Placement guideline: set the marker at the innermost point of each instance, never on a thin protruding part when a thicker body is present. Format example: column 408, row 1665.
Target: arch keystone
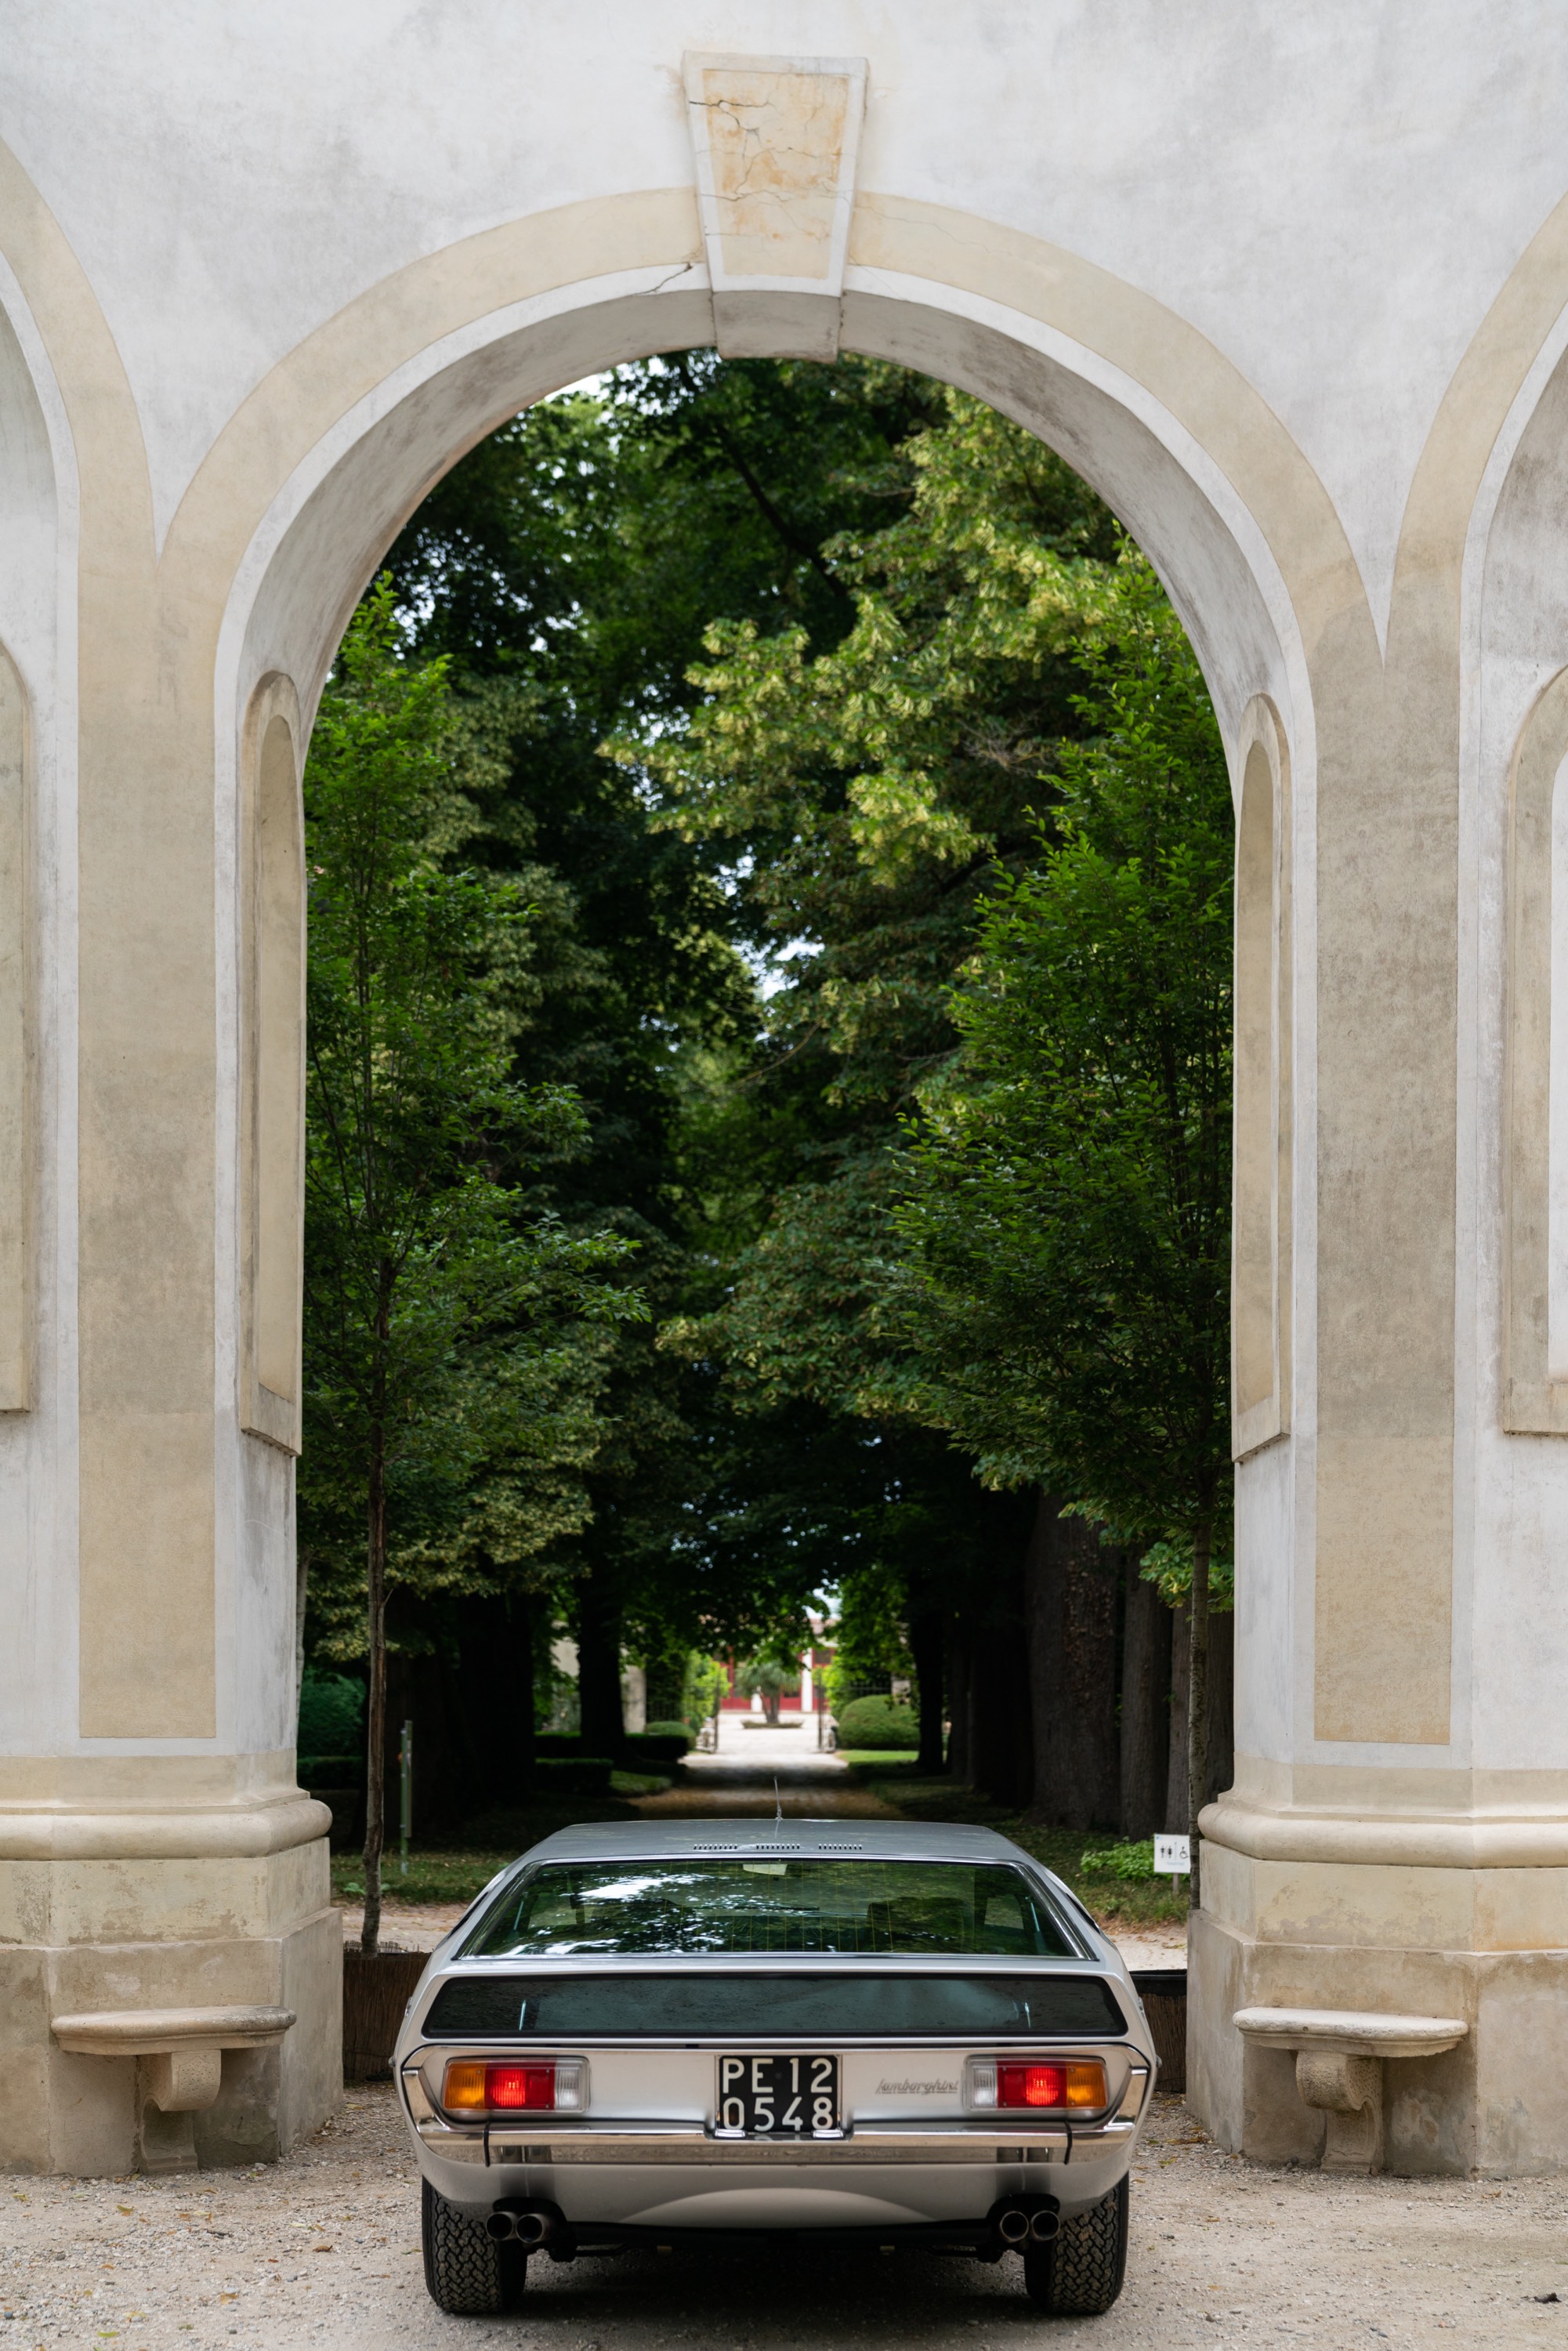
column 776, row 141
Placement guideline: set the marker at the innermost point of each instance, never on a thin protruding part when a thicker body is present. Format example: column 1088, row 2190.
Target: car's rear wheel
column 1079, row 2274
column 468, row 2274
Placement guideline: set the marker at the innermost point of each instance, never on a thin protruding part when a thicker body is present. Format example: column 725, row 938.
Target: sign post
column 405, row 1791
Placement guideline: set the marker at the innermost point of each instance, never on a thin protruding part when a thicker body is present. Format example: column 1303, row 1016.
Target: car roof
column 674, row 1840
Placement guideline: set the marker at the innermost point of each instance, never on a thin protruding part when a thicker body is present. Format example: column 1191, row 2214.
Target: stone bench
column 1339, row 2055
column 179, row 2055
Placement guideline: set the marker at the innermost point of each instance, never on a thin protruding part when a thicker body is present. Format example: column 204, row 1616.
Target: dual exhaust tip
column 531, row 2229
column 1019, row 2225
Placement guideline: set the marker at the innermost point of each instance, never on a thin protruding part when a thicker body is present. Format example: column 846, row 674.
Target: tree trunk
column 1072, row 1647
column 959, row 1761
column 1175, row 1784
column 926, row 1641
column 376, row 1706
column 604, row 1726
column 488, row 1704
column 1145, row 1703
column 1001, row 1736
column 1197, row 1705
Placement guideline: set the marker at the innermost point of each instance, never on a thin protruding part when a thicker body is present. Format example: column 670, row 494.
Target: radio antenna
column 778, row 1807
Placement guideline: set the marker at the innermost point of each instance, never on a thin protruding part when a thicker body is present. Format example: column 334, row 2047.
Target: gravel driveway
column 323, row 2250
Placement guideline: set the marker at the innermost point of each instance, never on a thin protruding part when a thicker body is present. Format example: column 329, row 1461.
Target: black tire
column 1079, row 2274
column 467, row 2273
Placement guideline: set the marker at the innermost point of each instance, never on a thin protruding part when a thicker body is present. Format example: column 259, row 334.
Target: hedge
column 878, row 1722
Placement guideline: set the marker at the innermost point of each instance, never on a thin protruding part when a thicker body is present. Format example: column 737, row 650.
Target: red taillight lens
column 519, row 2085
column 1031, row 2086
column 1079, row 2083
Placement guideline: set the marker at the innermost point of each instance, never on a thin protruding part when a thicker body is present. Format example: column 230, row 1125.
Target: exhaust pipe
column 529, row 2228
column 1012, row 2224
column 1043, row 2226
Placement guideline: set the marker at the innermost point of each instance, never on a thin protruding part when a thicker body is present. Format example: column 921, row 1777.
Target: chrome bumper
column 495, row 2144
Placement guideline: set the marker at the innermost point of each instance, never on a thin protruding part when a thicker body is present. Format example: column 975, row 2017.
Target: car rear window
column 763, row 2007
column 932, row 1910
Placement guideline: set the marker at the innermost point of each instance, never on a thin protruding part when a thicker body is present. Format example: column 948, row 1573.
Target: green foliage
column 1133, row 1861
column 706, row 1684
column 1168, row 1566
column 879, row 1725
column 331, row 1712
column 682, row 1731
column 1066, row 1220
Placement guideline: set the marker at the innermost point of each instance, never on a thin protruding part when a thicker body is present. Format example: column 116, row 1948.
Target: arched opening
column 1126, row 451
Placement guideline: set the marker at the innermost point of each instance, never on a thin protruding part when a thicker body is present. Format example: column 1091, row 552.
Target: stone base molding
column 1339, row 2058
column 1453, row 1821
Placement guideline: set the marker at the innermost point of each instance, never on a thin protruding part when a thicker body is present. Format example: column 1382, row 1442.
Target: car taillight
column 1061, row 2086
column 472, row 2087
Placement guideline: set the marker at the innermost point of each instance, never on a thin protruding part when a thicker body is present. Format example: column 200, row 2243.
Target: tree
column 1066, row 1220
column 442, row 1322
column 769, row 1675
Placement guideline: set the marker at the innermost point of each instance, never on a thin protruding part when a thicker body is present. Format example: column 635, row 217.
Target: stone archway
column 172, row 621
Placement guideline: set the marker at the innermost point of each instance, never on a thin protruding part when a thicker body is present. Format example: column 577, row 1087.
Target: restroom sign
column 1173, row 1857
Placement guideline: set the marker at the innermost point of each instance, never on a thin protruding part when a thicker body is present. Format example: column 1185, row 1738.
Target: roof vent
column 772, row 1845
column 776, row 1845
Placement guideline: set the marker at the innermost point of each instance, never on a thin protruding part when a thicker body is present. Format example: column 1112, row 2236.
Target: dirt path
column 322, row 2249
column 739, row 1781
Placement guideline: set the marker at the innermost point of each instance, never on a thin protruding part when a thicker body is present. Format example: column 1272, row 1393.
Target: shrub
column 1134, row 1861
column 649, row 1750
column 331, row 1712
column 879, row 1723
column 669, row 1730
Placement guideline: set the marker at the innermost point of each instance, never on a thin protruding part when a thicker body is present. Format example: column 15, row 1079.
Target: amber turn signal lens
column 464, row 2088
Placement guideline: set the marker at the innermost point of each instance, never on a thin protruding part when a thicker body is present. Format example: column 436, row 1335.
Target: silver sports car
column 873, row 2032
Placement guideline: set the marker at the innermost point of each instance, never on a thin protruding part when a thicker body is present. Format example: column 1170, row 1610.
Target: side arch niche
column 271, row 1063
column 1260, row 1215
column 15, row 1057
column 1535, row 1384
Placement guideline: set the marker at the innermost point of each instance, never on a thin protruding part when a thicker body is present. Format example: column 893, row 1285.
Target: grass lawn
column 1118, row 1903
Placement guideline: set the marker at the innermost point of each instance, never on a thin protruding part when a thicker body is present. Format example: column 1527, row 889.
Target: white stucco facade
column 1290, row 287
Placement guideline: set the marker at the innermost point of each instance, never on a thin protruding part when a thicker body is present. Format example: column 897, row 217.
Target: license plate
column 779, row 2098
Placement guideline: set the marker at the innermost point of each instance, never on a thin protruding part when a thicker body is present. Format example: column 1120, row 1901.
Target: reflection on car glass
column 913, row 1909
